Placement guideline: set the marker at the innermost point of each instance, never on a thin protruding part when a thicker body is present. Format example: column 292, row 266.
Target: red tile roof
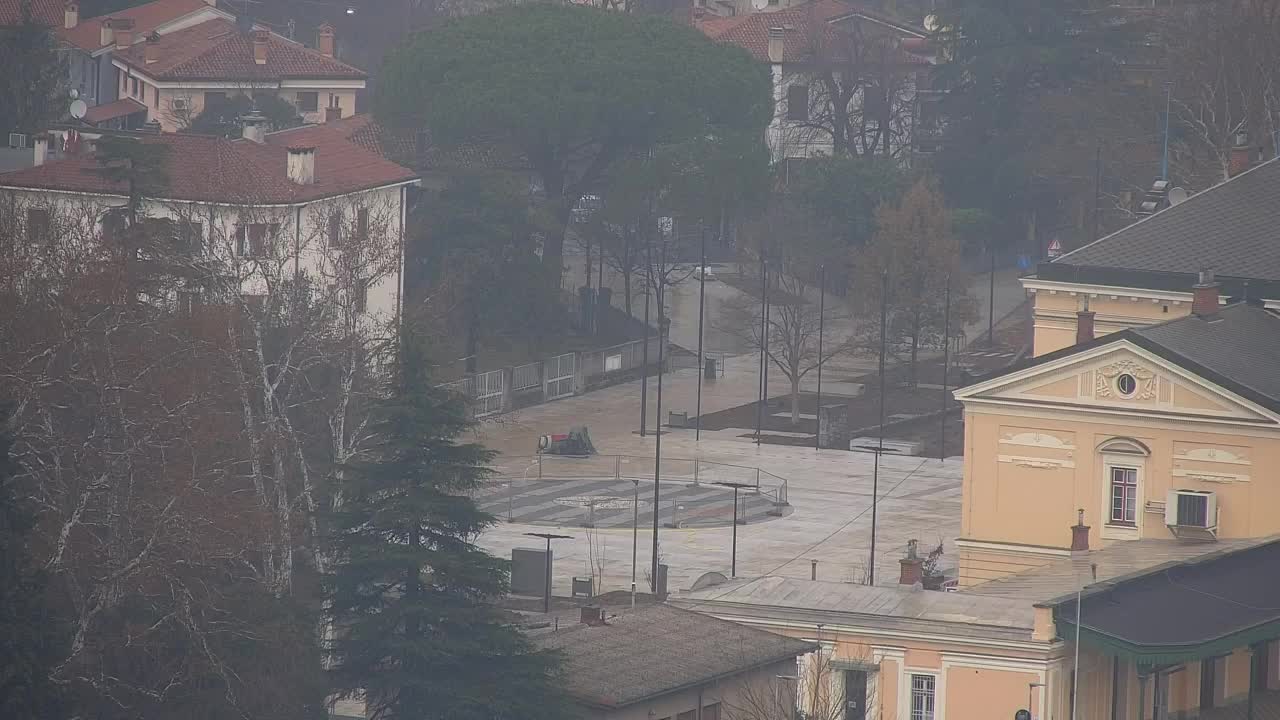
column 752, row 31
column 146, row 17
column 218, row 50
column 112, row 110
column 212, row 169
column 46, row 12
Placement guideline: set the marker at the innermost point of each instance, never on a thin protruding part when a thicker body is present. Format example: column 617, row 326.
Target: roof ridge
column 1156, row 214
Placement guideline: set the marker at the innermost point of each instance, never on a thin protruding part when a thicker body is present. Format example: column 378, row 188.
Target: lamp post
column 946, row 362
column 546, row 595
column 733, row 561
column 875, row 475
column 702, row 360
column 822, row 313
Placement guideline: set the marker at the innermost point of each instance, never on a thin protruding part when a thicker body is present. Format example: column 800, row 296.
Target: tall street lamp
column 546, row 595
column 733, row 562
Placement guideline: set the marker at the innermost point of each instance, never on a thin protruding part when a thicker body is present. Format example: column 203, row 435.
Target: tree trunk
column 795, row 399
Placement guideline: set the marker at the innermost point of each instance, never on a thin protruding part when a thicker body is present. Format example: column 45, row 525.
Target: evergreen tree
column 409, row 598
column 27, row 632
column 33, row 77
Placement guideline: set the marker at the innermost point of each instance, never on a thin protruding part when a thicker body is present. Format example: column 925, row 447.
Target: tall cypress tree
column 410, row 597
column 28, row 633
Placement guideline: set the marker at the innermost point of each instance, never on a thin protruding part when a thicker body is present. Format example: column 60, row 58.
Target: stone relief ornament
column 1145, row 388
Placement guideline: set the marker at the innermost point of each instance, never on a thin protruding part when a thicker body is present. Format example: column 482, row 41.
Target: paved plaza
column 829, row 491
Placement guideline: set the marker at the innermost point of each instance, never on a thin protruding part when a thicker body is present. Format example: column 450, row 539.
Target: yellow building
column 1143, row 274
column 1132, row 471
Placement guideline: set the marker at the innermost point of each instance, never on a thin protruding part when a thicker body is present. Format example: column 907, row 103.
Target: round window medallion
column 1126, row 384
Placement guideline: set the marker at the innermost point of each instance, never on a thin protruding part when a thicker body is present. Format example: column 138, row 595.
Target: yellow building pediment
column 1117, row 378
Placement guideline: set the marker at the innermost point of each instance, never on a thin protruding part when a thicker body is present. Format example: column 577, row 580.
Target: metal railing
column 634, row 468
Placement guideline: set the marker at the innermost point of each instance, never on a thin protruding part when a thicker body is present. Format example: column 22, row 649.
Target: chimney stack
column 1084, row 323
column 1204, row 295
column 124, row 33
column 911, row 570
column 151, row 49
column 1241, row 155
column 593, row 615
column 70, row 14
column 252, row 126
column 260, row 39
column 107, row 33
column 302, row 165
column 1079, row 533
column 40, row 149
column 324, row 40
column 777, row 43
column 332, row 112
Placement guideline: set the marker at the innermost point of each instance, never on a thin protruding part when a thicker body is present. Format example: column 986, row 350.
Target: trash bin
column 709, row 369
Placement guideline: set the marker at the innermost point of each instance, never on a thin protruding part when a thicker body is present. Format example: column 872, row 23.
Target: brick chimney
column 260, row 39
column 124, row 33
column 911, row 567
column 151, row 49
column 333, row 112
column 1204, row 295
column 106, row 33
column 1079, row 533
column 302, row 165
column 325, row 40
column 593, row 615
column 1084, row 323
column 1241, row 155
column 70, row 14
column 777, row 43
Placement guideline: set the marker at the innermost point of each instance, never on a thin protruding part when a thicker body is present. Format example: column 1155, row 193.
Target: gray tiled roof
column 1241, row 343
column 659, row 649
column 881, row 606
column 1063, row 577
column 1232, row 229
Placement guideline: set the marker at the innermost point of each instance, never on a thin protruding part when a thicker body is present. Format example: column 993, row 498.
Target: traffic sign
column 1055, row 249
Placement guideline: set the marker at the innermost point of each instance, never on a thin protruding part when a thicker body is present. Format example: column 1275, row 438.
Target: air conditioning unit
column 1191, row 509
column 179, row 104
column 17, row 140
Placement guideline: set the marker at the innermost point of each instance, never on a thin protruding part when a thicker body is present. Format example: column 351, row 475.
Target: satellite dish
column 759, row 4
column 1177, row 195
column 931, row 23
column 79, row 108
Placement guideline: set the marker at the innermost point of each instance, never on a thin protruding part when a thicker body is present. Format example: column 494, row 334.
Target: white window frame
column 1128, row 454
column 935, row 692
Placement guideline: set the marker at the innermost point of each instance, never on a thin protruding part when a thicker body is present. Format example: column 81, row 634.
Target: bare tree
column 817, row 691
column 858, row 86
column 1225, row 81
column 796, row 247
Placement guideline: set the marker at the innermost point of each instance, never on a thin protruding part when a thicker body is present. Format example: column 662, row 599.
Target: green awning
column 1169, row 654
